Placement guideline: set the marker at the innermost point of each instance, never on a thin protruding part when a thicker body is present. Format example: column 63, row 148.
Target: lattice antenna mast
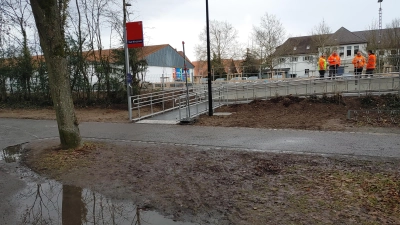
column 380, row 33
column 380, row 19
column 1, row 29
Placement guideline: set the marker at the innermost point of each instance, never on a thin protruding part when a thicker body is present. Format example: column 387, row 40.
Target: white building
column 298, row 56
column 166, row 64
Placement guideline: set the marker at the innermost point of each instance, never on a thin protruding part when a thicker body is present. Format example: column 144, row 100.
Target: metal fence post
column 247, row 92
column 151, row 103
column 163, row 107
column 138, row 100
column 348, row 114
column 180, row 115
column 266, row 91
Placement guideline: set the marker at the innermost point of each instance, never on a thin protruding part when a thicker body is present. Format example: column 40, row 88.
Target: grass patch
column 57, row 160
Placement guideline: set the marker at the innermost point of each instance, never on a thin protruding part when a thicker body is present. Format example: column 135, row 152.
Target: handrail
column 151, row 104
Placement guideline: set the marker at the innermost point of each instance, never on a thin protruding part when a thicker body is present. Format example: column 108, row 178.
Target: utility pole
column 128, row 75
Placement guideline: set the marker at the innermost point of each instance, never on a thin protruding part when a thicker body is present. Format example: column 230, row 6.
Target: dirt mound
column 313, row 113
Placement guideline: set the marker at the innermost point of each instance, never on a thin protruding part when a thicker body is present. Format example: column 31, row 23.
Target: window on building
column 293, row 59
column 356, row 48
column 381, row 52
column 393, row 52
column 341, row 51
column 281, row 60
column 308, row 58
column 348, row 53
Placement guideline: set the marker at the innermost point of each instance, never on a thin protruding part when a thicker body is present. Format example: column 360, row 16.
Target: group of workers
column 359, row 62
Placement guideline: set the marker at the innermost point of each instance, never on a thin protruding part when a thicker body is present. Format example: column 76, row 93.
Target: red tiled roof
column 105, row 53
column 200, row 67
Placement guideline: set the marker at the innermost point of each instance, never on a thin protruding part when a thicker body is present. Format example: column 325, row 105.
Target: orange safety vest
column 334, row 60
column 371, row 62
column 321, row 64
column 359, row 61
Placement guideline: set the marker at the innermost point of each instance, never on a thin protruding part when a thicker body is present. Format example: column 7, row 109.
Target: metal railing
column 196, row 103
column 151, row 104
column 349, row 85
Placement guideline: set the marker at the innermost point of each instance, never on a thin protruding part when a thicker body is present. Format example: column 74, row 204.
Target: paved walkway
column 16, row 131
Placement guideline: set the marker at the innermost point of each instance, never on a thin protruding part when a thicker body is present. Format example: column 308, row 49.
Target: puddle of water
column 51, row 202
column 11, row 154
column 54, row 203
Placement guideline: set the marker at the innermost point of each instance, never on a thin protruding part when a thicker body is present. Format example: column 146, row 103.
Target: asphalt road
column 18, row 131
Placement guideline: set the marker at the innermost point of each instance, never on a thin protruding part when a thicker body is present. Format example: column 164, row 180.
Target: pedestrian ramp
column 175, row 106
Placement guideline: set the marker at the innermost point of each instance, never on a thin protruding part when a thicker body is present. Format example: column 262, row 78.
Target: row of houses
column 296, row 57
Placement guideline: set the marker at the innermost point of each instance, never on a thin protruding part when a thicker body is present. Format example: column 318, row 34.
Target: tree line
column 24, row 71
column 96, row 75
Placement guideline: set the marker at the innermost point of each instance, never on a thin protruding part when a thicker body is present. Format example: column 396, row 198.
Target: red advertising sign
column 134, row 34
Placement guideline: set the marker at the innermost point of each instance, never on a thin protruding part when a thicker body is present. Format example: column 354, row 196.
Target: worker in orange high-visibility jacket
column 371, row 63
column 322, row 66
column 358, row 62
column 334, row 63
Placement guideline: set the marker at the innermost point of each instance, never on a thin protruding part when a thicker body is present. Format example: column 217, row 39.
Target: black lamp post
column 210, row 99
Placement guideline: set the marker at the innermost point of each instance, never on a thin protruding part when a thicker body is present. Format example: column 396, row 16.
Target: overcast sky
column 174, row 21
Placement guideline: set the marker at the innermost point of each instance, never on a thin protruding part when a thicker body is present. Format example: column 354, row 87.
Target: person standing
column 322, row 66
column 371, row 64
column 334, row 63
column 358, row 62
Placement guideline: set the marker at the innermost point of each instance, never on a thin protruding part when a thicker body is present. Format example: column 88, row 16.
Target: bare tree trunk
column 81, row 56
column 73, row 207
column 3, row 91
column 50, row 20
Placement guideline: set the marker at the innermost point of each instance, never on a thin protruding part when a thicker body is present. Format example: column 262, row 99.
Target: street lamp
column 127, row 75
column 210, row 101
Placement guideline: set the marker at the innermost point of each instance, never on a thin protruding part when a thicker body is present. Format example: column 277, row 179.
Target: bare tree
column 372, row 36
column 223, row 41
column 320, row 37
column 392, row 35
column 269, row 35
column 391, row 41
column 50, row 17
column 17, row 14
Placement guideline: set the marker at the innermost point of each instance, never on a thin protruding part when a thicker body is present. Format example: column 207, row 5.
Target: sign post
column 133, row 36
column 188, row 118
